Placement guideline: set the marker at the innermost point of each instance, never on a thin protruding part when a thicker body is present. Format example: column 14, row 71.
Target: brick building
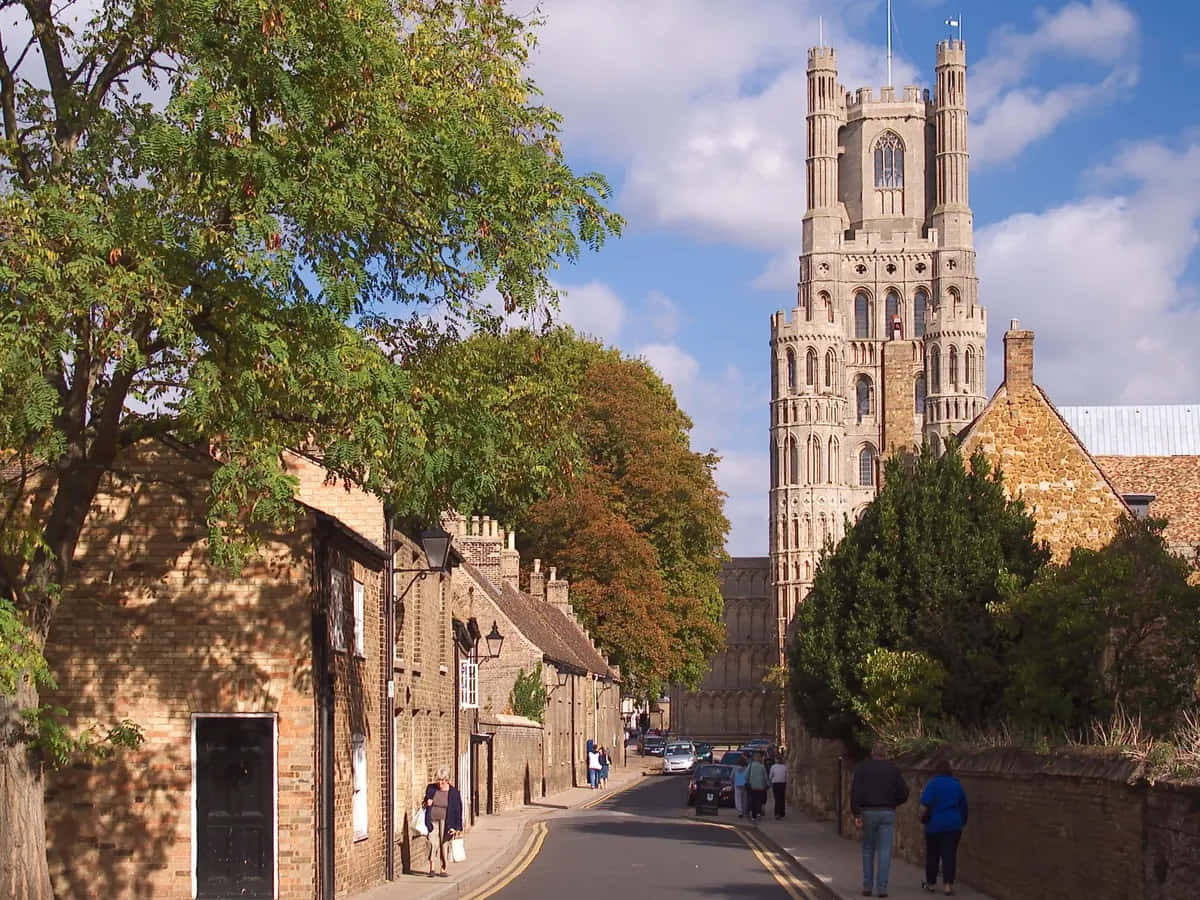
column 275, row 762
column 513, row 759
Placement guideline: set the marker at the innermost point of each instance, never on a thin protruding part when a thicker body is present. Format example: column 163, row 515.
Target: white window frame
column 360, row 618
column 358, row 772
column 468, row 684
column 337, row 610
column 274, row 717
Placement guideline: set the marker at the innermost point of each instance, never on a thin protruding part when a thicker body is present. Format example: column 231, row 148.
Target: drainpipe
column 324, row 715
column 574, row 739
column 388, row 706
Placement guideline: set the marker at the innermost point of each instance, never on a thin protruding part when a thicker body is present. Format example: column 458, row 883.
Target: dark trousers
column 758, row 799
column 941, row 847
column 780, row 790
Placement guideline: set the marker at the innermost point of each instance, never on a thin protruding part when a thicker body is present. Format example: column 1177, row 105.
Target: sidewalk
column 837, row 861
column 493, row 842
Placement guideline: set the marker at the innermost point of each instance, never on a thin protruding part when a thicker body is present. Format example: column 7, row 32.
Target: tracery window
column 810, row 367
column 791, row 371
column 889, row 161
column 935, row 369
column 866, row 466
column 919, row 303
column 862, row 392
column 862, row 315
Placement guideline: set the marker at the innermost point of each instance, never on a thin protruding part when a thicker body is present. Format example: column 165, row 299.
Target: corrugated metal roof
column 1136, row 430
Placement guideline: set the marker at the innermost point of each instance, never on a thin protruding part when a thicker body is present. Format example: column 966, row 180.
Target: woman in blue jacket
column 944, row 812
column 443, row 816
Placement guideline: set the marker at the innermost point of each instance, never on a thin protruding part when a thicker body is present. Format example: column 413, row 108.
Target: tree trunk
column 24, row 874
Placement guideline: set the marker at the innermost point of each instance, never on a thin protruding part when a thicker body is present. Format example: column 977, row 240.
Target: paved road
column 644, row 842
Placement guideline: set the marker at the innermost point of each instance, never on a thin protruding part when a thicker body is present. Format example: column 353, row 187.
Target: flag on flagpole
column 953, row 23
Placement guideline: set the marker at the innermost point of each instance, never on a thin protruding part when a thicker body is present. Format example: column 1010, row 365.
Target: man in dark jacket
column 877, row 789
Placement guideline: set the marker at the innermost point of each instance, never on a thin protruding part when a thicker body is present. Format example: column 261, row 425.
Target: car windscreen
column 714, row 772
column 679, row 749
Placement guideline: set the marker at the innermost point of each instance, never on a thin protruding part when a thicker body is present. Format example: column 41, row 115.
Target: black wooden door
column 235, row 827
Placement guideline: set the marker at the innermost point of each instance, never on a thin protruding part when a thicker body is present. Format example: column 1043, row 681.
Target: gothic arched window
column 892, row 308
column 810, row 367
column 833, row 464
column 830, row 363
column 969, row 367
column 793, row 461
column 919, row 395
column 774, row 463
column 866, row 466
column 828, row 307
column 953, row 367
column 862, row 395
column 889, row 161
column 862, row 315
column 814, row 460
column 791, row 371
column 920, row 302
column 935, row 369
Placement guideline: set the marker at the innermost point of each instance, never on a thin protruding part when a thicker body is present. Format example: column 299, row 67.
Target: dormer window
column 889, row 161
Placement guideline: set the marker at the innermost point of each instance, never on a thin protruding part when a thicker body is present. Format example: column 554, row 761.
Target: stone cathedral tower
column 885, row 347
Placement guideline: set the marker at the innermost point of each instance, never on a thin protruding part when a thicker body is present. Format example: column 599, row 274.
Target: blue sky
column 1085, row 182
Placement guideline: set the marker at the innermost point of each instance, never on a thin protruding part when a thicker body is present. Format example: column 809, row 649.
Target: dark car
column 723, row 773
column 704, row 751
column 654, row 745
column 735, row 758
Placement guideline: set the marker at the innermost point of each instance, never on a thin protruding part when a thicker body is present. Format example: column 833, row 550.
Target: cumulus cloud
column 593, row 308
column 662, row 314
column 1103, row 283
column 745, row 479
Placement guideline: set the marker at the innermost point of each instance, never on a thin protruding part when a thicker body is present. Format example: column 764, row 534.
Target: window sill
column 359, row 838
column 442, row 670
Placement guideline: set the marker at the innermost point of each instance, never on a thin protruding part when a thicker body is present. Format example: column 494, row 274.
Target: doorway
column 234, row 795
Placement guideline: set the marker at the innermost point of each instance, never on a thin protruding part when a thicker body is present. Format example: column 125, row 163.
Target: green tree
column 926, row 571
column 638, row 528
column 528, row 696
column 1116, row 627
column 217, row 221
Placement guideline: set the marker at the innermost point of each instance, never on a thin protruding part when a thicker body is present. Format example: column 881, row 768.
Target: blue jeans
column 879, row 828
column 593, row 777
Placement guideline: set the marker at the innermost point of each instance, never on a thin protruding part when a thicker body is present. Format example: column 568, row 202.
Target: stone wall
column 1041, row 825
column 517, row 749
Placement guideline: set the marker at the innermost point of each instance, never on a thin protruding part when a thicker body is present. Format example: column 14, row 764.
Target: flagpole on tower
column 820, row 31
column 889, row 30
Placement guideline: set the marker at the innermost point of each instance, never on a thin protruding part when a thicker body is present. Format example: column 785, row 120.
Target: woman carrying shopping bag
column 443, row 817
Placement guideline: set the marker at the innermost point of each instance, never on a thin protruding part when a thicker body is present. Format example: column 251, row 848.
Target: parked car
column 650, row 733
column 724, row 773
column 653, row 745
column 680, row 756
column 734, row 758
column 704, row 751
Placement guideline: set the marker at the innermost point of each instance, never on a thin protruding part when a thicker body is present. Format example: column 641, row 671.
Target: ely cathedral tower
column 885, row 346
column 884, row 349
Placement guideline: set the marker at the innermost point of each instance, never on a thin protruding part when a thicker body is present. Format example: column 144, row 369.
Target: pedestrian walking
column 443, row 816
column 875, row 792
column 778, row 776
column 593, row 762
column 756, row 782
column 605, row 760
column 741, row 799
column 944, row 812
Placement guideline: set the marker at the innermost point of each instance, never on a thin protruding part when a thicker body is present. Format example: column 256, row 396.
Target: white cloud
column 593, row 308
column 745, row 479
column 677, row 367
column 1102, row 283
column 662, row 314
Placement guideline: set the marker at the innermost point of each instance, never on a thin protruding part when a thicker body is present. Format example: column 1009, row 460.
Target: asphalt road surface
column 646, row 842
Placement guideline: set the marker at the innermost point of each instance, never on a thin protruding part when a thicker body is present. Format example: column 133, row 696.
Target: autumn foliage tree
column 639, row 528
column 217, row 218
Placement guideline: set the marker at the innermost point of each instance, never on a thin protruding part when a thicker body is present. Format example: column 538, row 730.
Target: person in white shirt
column 778, row 776
column 593, row 768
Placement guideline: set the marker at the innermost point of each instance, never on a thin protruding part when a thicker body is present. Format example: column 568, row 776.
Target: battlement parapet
column 952, row 52
column 899, row 242
column 822, row 58
column 863, row 97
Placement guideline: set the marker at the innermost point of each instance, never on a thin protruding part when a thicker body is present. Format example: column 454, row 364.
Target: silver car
column 680, row 756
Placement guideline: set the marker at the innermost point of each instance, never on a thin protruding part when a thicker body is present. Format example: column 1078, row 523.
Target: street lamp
column 494, row 640
column 435, row 542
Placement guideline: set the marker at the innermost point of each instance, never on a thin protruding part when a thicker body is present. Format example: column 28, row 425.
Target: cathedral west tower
column 884, row 348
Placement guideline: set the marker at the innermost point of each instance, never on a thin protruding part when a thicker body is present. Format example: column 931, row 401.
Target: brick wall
column 359, row 510
column 150, row 632
column 1041, row 826
column 1043, row 463
column 517, row 749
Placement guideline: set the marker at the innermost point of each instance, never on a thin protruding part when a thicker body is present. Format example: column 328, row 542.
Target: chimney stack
column 510, row 561
column 558, row 592
column 537, row 581
column 1018, row 358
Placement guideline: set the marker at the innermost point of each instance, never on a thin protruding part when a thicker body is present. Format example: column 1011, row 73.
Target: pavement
column 494, row 842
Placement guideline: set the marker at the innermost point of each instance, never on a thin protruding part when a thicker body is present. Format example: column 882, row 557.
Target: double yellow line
column 527, row 855
column 778, row 864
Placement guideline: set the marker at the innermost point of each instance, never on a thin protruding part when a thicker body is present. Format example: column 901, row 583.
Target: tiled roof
column 1175, row 483
column 561, row 639
column 1136, row 430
